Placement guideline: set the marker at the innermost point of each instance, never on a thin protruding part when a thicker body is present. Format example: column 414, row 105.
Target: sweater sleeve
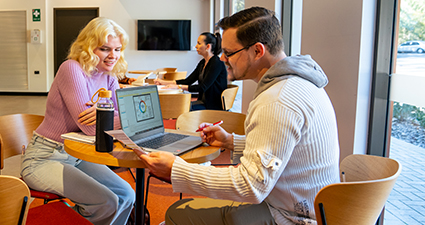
column 239, row 146
column 193, row 77
column 74, row 92
column 264, row 158
column 211, row 72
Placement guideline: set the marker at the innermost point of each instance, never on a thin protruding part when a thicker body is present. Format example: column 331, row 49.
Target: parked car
column 412, row 46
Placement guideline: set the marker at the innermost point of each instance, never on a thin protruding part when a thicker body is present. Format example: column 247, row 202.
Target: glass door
column 406, row 204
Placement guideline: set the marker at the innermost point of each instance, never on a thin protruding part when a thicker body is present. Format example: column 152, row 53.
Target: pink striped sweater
column 70, row 91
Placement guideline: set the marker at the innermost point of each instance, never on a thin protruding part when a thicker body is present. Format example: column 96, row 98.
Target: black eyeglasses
column 228, row 55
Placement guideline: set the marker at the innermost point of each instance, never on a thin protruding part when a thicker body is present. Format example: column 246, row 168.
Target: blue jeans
column 99, row 194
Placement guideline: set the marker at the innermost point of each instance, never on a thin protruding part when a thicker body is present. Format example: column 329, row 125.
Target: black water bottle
column 104, row 121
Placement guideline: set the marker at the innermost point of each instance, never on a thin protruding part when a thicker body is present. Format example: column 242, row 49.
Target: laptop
column 141, row 120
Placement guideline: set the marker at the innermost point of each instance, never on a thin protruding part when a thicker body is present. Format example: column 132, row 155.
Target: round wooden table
column 124, row 157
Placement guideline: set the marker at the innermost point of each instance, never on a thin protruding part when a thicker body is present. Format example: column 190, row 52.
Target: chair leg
column 131, row 172
column 147, row 190
column 23, row 208
column 322, row 213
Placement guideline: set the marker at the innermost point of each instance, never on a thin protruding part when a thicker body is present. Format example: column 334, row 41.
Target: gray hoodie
column 301, row 65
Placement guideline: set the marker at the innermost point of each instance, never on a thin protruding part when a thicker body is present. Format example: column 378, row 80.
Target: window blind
column 13, row 45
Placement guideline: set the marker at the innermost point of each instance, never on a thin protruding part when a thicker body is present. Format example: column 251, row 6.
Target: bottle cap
column 102, row 93
column 105, row 94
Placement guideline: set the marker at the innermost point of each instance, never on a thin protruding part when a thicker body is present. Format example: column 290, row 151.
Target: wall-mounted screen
column 171, row 35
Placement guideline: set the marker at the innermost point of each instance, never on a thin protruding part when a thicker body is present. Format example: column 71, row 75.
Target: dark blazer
column 211, row 85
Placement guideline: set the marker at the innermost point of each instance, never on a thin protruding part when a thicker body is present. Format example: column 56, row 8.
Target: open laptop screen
column 140, row 111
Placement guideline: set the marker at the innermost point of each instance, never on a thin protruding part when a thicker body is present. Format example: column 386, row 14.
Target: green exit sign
column 36, row 15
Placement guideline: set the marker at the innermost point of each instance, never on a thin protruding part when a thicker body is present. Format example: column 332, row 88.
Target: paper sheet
column 125, row 140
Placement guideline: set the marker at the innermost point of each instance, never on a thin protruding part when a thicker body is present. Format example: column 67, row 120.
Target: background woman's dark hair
column 214, row 40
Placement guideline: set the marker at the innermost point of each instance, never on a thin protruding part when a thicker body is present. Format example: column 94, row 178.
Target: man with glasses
column 290, row 150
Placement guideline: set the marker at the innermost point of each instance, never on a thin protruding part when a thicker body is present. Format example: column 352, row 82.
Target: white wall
column 36, row 52
column 124, row 12
column 365, row 77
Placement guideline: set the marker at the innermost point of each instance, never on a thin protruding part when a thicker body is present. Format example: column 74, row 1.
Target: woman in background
column 210, row 73
column 96, row 58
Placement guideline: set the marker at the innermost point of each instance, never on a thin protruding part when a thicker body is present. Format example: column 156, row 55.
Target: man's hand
column 159, row 163
column 88, row 116
column 216, row 136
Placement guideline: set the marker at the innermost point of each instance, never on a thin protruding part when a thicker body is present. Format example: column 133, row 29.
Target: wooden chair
column 172, row 105
column 174, row 75
column 361, row 198
column 228, row 96
column 16, row 131
column 232, row 122
column 14, row 204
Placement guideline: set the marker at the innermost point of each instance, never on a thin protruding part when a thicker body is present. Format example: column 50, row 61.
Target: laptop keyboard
column 163, row 140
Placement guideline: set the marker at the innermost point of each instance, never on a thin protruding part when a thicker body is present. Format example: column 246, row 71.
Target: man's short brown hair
column 254, row 25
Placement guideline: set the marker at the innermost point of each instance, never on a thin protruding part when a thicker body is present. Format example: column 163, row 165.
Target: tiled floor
column 406, row 204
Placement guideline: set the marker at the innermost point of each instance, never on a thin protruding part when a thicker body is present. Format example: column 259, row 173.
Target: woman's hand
column 171, row 86
column 88, row 116
column 216, row 136
column 158, row 81
column 131, row 80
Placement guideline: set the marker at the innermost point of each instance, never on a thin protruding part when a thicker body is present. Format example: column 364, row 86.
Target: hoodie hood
column 301, row 66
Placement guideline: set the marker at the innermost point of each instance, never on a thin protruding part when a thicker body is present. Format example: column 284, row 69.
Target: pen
column 216, row 123
column 343, row 176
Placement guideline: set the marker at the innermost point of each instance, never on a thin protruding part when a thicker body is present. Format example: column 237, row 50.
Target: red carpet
column 48, row 214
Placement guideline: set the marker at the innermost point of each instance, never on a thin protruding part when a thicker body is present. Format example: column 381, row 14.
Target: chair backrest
column 361, row 198
column 12, row 193
column 174, row 75
column 228, row 96
column 16, row 130
column 232, row 122
column 167, row 69
column 172, row 105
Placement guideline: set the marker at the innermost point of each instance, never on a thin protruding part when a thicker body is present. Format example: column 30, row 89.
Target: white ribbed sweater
column 289, row 153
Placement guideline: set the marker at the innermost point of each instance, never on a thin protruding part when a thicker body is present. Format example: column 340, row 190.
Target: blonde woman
column 95, row 60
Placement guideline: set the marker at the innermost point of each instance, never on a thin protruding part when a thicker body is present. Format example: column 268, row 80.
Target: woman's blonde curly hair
column 95, row 34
